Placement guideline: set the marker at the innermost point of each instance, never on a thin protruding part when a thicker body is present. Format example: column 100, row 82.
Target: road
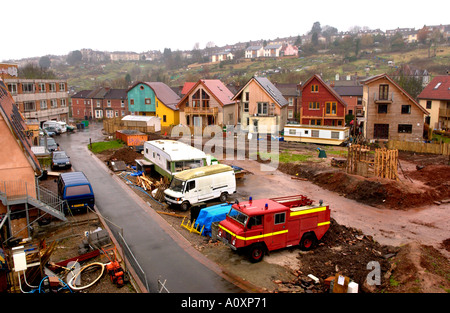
column 161, row 252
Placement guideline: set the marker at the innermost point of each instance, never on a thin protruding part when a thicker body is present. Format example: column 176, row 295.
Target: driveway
column 161, row 252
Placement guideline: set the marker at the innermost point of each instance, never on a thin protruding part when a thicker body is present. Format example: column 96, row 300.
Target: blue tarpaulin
column 207, row 216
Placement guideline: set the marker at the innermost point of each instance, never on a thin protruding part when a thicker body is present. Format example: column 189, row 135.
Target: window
column 255, row 221
column 262, row 108
column 291, row 102
column 108, row 103
column 63, row 103
column 314, row 106
column 314, row 88
column 52, row 87
column 280, row 218
column 12, row 88
column 190, row 185
column 405, row 128
column 131, row 101
column 334, row 135
column 98, row 103
column 330, row 108
column 28, row 87
column 247, row 96
column 62, row 87
column 41, row 87
column 384, row 92
column 122, row 104
column 54, row 103
column 43, row 104
column 406, row 109
column 245, row 106
column 164, row 118
column 148, row 101
column 292, row 131
column 290, row 113
column 315, row 122
column 429, row 104
column 29, row 106
column 315, row 133
column 382, row 108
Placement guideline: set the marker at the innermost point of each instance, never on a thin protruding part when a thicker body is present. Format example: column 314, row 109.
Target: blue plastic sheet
column 207, row 216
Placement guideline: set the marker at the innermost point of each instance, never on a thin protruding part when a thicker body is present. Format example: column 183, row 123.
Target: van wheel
column 256, row 253
column 308, row 241
column 184, row 206
column 223, row 197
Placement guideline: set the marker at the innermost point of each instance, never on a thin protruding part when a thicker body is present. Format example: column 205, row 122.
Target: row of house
column 273, row 50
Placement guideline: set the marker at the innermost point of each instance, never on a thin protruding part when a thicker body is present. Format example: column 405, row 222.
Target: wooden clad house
column 321, row 104
column 390, row 112
column 262, row 107
column 208, row 102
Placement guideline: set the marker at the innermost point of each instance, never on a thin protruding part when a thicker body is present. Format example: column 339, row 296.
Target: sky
column 33, row 28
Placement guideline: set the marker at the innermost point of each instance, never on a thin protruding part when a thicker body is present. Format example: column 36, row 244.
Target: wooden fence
column 420, row 147
column 380, row 163
column 111, row 125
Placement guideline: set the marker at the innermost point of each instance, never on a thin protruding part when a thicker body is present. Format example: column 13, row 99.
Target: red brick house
column 321, row 104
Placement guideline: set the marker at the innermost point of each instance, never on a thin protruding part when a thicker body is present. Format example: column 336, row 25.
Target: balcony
column 383, row 98
column 444, row 112
column 201, row 110
column 45, row 113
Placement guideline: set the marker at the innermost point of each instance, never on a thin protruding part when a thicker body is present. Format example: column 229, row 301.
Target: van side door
column 191, row 192
column 279, row 230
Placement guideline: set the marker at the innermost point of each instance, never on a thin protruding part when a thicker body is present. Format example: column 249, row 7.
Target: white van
column 54, row 124
column 63, row 126
column 200, row 184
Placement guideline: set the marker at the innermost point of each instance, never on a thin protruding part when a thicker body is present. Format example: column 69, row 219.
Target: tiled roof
column 165, row 94
column 82, row 94
column 187, row 86
column 437, row 89
column 116, row 94
column 272, row 90
column 220, row 91
column 349, row 90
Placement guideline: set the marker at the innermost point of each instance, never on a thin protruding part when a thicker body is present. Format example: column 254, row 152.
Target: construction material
column 207, row 216
column 102, row 267
column 191, row 226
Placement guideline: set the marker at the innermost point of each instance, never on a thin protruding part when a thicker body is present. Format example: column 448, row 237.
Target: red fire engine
column 264, row 225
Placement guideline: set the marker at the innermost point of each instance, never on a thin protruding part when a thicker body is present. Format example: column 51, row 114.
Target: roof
column 215, row 88
column 349, row 90
column 331, row 90
column 254, row 48
column 273, row 46
column 288, row 90
column 187, row 86
column 82, row 94
column 437, row 89
column 203, row 171
column 16, row 123
column 178, row 150
column 380, row 76
column 138, row 118
column 270, row 89
column 116, row 94
column 74, row 178
column 165, row 94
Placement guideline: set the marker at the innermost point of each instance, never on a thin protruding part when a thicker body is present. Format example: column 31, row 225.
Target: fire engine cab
column 264, row 225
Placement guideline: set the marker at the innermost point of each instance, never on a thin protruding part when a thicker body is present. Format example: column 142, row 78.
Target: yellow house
column 154, row 98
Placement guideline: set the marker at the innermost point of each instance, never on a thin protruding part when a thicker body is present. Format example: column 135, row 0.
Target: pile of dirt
column 346, row 251
column 375, row 191
column 128, row 155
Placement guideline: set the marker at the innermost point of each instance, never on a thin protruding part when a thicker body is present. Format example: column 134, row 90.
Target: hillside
column 237, row 72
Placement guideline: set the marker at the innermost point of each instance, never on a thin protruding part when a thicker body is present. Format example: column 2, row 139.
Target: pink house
column 289, row 50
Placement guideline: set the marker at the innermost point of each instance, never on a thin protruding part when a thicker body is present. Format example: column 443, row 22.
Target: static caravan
column 170, row 157
column 329, row 135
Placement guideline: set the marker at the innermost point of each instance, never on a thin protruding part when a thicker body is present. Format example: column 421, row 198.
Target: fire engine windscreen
column 238, row 216
column 177, row 185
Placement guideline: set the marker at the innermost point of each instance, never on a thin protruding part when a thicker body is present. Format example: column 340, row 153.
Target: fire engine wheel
column 256, row 253
column 184, row 206
column 223, row 197
column 308, row 241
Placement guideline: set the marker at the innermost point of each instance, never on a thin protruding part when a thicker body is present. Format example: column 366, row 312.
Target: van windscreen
column 78, row 190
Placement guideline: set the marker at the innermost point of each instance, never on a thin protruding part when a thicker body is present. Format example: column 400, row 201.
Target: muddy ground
column 414, row 266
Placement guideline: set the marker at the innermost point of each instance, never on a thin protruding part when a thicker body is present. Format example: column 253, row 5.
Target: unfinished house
column 22, row 202
column 390, row 112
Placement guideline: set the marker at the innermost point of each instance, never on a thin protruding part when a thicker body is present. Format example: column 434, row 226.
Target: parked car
column 60, row 160
column 51, row 144
column 43, row 132
column 54, row 129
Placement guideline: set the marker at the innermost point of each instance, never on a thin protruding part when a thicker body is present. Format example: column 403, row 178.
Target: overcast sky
column 33, row 28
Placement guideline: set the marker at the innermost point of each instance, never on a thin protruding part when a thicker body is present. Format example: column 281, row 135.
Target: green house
column 141, row 99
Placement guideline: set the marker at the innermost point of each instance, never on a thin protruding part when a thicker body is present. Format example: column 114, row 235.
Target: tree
column 422, row 34
column 315, row 39
column 74, row 57
column 32, row 71
column 316, row 28
column 44, row 62
column 298, row 41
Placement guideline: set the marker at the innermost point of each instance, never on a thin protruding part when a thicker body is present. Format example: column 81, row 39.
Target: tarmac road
column 161, row 252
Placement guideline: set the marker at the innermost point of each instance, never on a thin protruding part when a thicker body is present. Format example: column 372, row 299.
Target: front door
column 381, row 131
